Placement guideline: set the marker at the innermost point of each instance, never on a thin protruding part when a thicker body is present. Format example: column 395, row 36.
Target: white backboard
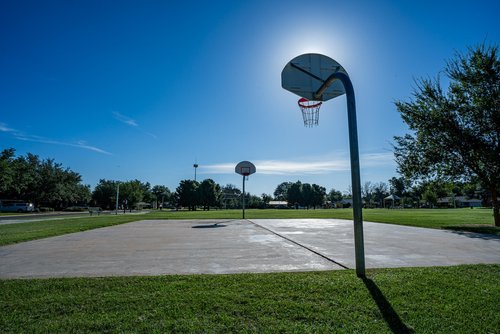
column 245, row 168
column 305, row 74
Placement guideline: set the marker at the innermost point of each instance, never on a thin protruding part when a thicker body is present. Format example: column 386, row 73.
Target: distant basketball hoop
column 244, row 168
column 310, row 111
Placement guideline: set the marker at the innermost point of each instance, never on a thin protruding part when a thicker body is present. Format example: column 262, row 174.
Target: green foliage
column 161, row 193
column 335, row 196
column 43, row 182
column 230, row 197
column 455, row 132
column 130, row 194
column 461, row 299
column 294, row 194
column 266, row 199
column 133, row 192
column 399, row 186
column 209, row 193
column 187, row 194
column 301, row 194
column 281, row 192
column 318, row 195
column 254, row 202
column 104, row 194
column 6, row 170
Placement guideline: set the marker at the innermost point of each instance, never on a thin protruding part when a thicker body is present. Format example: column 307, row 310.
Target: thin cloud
column 19, row 135
column 377, row 159
column 4, row 128
column 277, row 167
column 125, row 119
column 131, row 122
column 319, row 166
column 149, row 134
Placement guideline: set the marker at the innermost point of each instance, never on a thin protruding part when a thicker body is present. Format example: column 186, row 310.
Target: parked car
column 17, row 207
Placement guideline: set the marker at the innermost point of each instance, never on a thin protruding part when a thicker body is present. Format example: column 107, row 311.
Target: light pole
column 117, row 194
column 195, row 166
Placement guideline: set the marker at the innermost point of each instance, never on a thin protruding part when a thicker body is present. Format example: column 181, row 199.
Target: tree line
column 40, row 181
column 47, row 184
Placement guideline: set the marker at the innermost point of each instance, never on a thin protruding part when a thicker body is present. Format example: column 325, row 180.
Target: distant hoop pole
column 355, row 174
column 244, row 168
column 244, row 196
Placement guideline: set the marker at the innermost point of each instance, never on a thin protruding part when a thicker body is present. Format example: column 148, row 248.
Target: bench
column 94, row 210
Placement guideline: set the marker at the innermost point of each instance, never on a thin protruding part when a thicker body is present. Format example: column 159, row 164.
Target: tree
column 6, row 169
column 209, row 193
column 147, row 195
column 266, row 199
column 456, row 132
column 187, row 194
column 430, row 197
column 253, row 202
column 161, row 193
column 306, row 195
column 104, row 194
column 281, row 192
column 334, row 196
column 133, row 192
column 379, row 193
column 367, row 193
column 294, row 194
column 399, row 185
column 43, row 182
column 230, row 196
column 318, row 196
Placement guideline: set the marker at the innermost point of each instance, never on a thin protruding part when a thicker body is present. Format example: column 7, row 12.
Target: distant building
column 459, row 202
column 278, row 204
column 345, row 203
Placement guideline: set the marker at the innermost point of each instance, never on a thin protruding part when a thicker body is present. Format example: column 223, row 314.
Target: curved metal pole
column 355, row 173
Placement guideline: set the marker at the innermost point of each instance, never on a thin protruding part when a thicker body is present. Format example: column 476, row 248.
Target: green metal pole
column 355, row 173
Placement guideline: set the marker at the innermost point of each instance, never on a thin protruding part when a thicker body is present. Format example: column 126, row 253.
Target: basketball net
column 310, row 111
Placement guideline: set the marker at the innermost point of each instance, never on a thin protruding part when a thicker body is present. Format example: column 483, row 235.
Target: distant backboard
column 305, row 74
column 245, row 168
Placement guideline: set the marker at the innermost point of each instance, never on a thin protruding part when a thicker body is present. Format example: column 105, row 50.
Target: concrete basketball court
column 159, row 247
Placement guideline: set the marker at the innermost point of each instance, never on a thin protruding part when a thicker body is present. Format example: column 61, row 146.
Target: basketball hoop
column 310, row 111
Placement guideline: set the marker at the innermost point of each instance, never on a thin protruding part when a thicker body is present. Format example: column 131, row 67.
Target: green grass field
column 477, row 220
column 462, row 299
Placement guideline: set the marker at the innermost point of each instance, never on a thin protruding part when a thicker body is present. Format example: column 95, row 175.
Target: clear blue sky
column 128, row 90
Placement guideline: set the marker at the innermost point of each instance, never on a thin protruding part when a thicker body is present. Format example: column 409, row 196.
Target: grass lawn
column 477, row 220
column 19, row 232
column 462, row 299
